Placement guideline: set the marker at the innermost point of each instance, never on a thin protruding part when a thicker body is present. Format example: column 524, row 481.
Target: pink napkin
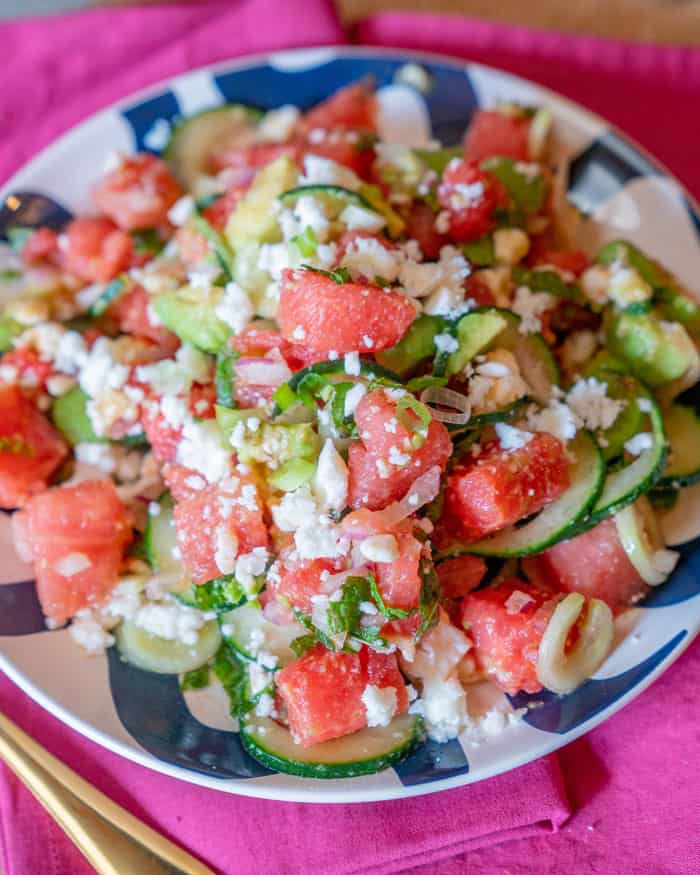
column 57, row 71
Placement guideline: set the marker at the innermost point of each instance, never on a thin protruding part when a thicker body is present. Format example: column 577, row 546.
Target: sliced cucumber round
column 625, row 485
column 160, row 538
column 163, row 655
column 477, row 331
column 538, row 366
column 362, row 753
column 640, row 535
column 683, row 432
column 552, row 524
column 240, row 629
column 194, row 139
column 493, row 416
column 70, row 417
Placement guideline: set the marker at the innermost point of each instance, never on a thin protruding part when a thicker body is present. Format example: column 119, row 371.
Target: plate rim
column 341, row 791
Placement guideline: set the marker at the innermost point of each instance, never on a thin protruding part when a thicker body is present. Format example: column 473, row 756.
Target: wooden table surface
column 663, row 21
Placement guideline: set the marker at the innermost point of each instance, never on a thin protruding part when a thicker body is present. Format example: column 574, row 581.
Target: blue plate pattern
column 151, row 707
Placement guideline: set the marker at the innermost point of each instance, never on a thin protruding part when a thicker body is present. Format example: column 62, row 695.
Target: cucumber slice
column 640, row 536
column 162, row 655
column 362, row 753
column 438, row 159
column 494, row 416
column 194, row 139
column 240, row 627
column 415, row 346
column 480, row 252
column 538, row 366
column 683, row 431
column 160, row 539
column 9, row 329
column 554, row 523
column 625, row 485
column 191, row 314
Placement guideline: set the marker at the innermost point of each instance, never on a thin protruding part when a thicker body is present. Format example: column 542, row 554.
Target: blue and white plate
column 145, row 717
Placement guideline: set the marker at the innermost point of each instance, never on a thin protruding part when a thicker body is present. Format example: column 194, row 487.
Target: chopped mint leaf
column 147, row 242
column 306, row 242
column 340, row 276
column 303, row 643
column 233, row 676
column 388, row 612
column 10, row 274
column 197, row 679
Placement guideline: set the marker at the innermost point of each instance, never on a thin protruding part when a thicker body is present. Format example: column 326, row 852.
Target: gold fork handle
column 114, row 841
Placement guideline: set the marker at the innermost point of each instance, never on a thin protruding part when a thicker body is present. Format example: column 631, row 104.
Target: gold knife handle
column 114, row 841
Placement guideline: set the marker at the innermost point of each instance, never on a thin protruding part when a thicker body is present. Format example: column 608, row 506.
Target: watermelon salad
column 348, row 427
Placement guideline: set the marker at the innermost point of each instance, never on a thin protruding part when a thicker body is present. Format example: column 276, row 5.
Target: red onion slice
column 263, row 371
column 460, row 405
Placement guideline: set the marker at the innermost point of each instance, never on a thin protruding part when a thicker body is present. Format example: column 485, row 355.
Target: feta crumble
column 331, row 478
column 530, row 306
column 380, row 548
column 636, row 445
column 512, row 438
column 380, row 704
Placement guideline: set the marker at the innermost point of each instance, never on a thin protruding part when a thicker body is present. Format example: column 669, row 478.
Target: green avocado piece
column 655, row 351
column 9, row 329
column 269, row 442
column 70, row 417
column 190, row 313
column 416, row 345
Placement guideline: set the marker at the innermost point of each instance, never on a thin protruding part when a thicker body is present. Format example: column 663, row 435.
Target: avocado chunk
column 621, row 387
column 273, row 444
column 255, row 217
column 475, row 331
column 70, row 417
column 655, row 351
column 9, row 329
column 415, row 346
column 191, row 314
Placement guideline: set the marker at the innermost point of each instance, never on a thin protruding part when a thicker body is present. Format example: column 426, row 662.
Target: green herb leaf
column 197, row 679
column 306, row 242
column 388, row 612
column 10, row 274
column 417, row 384
column 340, row 276
column 415, row 417
column 547, row 281
column 528, row 193
column 18, row 237
column 480, row 252
column 233, row 676
column 285, row 397
column 224, row 377
column 111, row 292
column 147, row 242
column 438, row 159
column 303, row 643
column 429, row 598
column 221, row 594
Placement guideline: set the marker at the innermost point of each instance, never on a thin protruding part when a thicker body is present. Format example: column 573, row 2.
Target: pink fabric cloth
column 634, row 810
column 632, row 781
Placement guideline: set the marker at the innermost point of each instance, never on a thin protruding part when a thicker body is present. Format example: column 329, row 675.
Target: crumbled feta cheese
column 201, row 449
column 226, row 548
column 355, row 217
column 181, row 210
column 530, row 306
column 87, row 632
column 380, row 704
column 172, row 621
column 296, row 509
column 442, row 222
column 319, row 541
column 323, row 171
column 331, row 479
column 557, row 419
column 235, row 308
column 352, row 364
column 299, row 333
column 175, row 411
column 441, row 282
column 380, row 548
column 175, row 377
column 397, row 458
column 265, row 706
column 626, row 286
column 278, row 124
column 466, row 195
column 512, row 438
column 100, row 371
column 309, row 213
column 443, row 705
column 645, row 405
column 446, row 343
column 589, row 401
column 636, row 445
column 367, row 257
column 97, row 455
column 249, row 566
column 496, row 382
column 72, row 564
column 353, row 398
column 71, row 353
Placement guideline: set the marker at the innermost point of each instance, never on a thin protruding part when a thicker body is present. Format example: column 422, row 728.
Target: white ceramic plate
column 144, row 717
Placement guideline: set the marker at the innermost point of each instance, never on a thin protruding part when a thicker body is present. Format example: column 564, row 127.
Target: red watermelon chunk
column 322, row 691
column 459, row 576
column 493, row 133
column 470, row 197
column 500, row 487
column 399, row 582
column 351, row 108
column 594, row 564
column 506, row 624
column 296, row 582
column 30, row 448
column 345, row 317
column 76, row 536
column 375, row 477
column 227, row 517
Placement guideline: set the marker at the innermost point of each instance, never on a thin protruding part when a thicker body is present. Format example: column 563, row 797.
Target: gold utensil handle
column 114, row 841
